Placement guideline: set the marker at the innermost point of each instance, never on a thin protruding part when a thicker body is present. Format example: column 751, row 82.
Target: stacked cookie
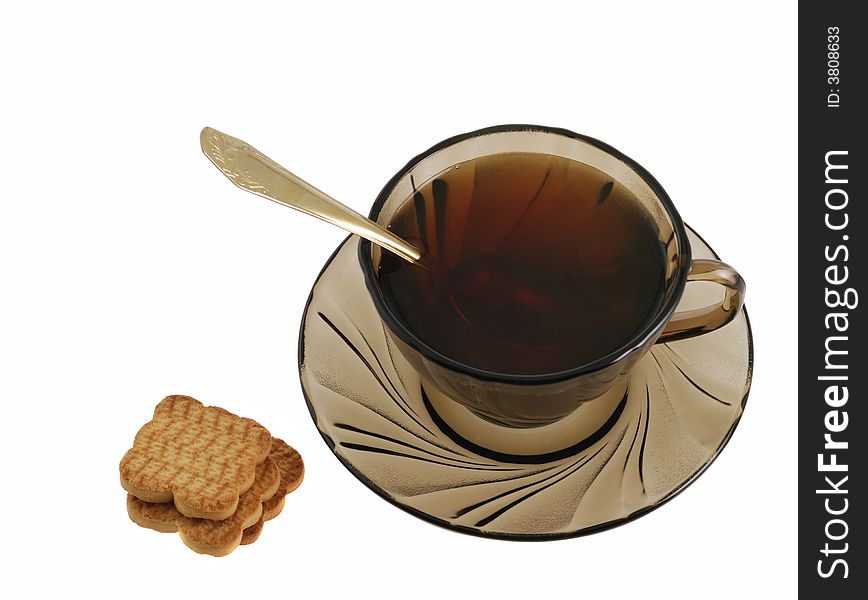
column 212, row 476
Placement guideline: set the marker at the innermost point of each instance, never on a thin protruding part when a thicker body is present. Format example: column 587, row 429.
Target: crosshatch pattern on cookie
column 202, row 457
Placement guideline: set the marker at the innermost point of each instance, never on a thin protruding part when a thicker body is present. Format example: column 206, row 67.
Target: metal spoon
column 473, row 277
column 254, row 172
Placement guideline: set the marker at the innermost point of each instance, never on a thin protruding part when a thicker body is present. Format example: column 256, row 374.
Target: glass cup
column 525, row 402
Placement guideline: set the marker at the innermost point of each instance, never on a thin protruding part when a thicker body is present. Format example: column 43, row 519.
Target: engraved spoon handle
column 254, row 172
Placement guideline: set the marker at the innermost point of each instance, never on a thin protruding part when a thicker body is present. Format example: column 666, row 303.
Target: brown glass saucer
column 679, row 407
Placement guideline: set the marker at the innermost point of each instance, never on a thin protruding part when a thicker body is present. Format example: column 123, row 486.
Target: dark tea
column 532, row 264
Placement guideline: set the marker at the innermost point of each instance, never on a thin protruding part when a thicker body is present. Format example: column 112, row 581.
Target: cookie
column 206, row 536
column 291, row 475
column 252, row 533
column 200, row 458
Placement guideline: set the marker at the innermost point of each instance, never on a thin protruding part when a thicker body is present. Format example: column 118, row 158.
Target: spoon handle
column 254, row 172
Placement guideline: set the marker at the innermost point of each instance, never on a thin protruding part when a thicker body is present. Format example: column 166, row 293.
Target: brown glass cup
column 525, row 401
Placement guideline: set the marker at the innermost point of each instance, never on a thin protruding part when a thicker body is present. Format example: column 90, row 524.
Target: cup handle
column 690, row 323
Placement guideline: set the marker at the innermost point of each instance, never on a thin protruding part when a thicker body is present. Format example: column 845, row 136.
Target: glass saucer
column 680, row 406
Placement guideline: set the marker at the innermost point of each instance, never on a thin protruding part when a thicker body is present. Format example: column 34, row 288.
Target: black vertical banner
column 833, row 226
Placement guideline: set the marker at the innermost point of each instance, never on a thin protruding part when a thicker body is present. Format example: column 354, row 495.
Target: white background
column 132, row 269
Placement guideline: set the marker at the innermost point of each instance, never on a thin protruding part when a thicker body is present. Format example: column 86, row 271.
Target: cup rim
column 651, row 328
